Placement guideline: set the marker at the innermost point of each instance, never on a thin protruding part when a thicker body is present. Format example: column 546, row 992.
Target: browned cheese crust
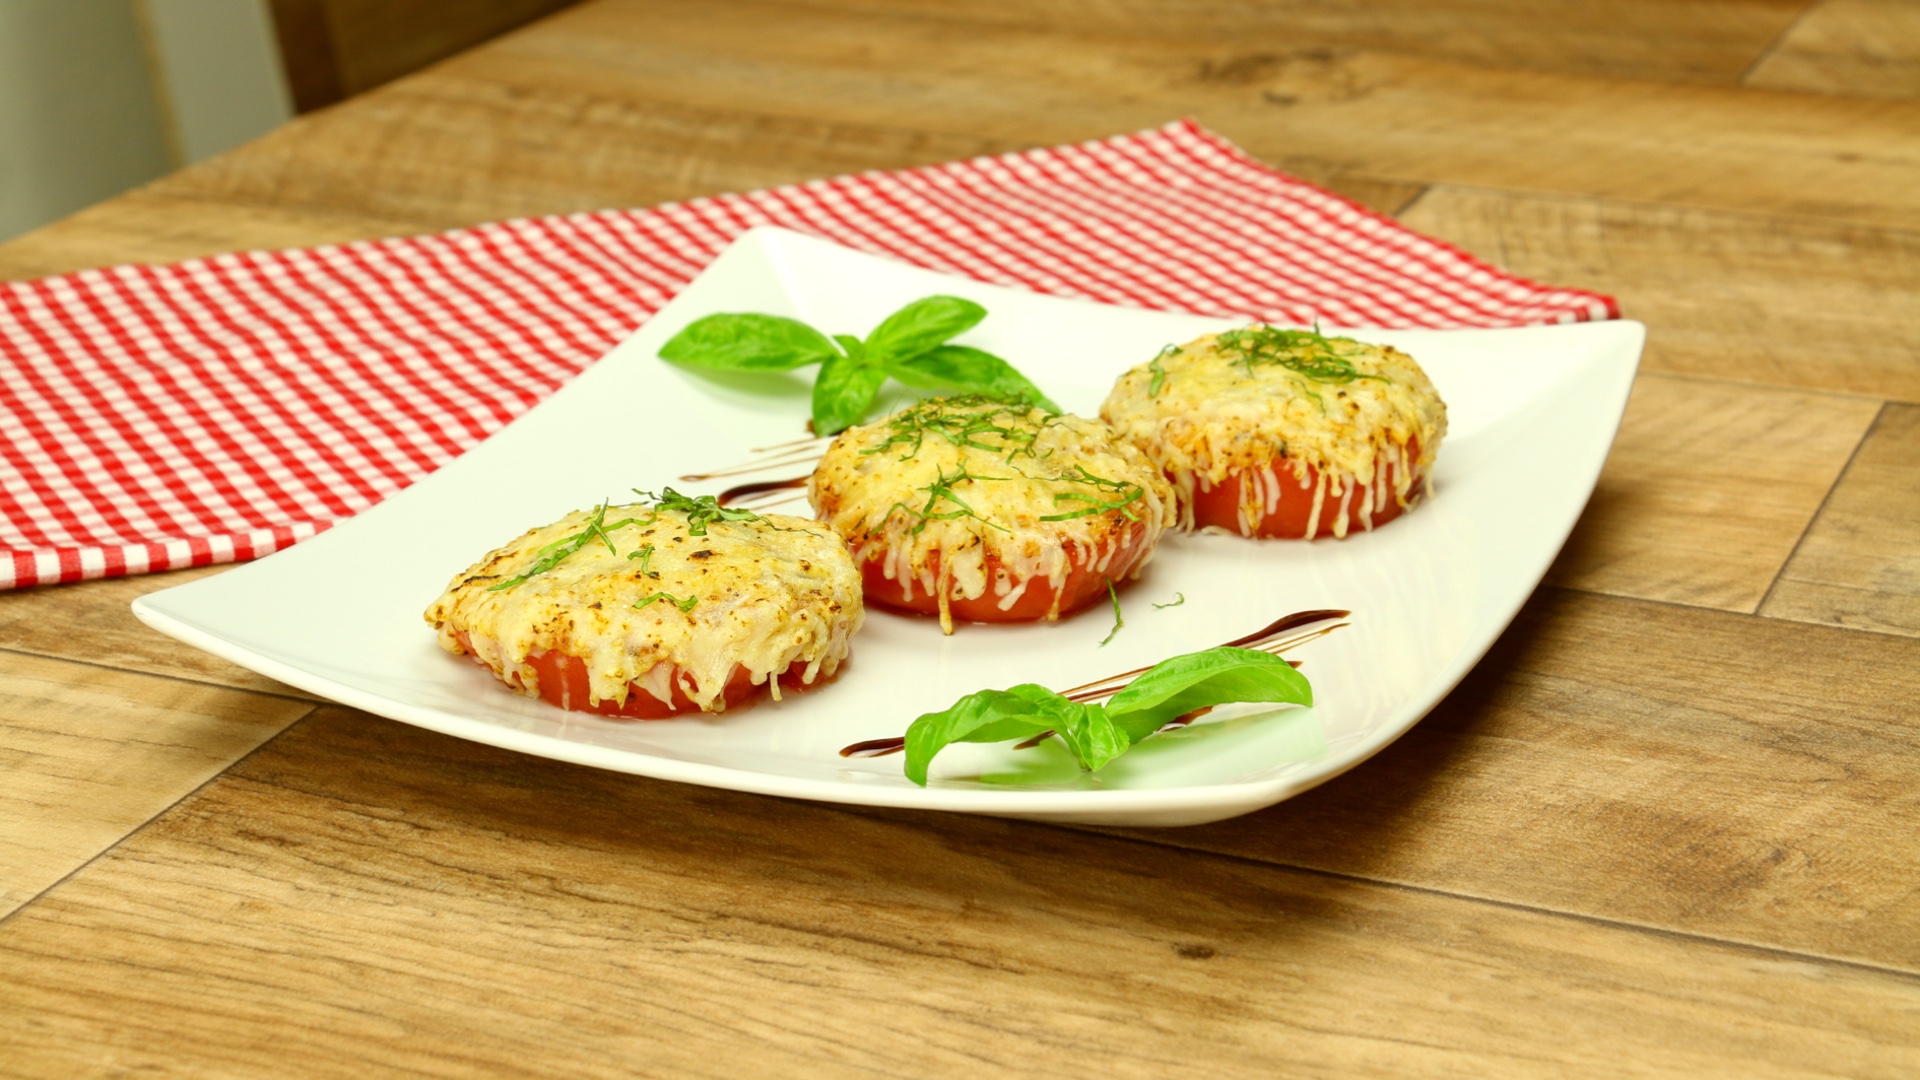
column 764, row 594
column 964, row 496
column 1243, row 399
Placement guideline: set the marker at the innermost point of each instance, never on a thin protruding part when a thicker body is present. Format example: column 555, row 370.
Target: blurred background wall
column 98, row 96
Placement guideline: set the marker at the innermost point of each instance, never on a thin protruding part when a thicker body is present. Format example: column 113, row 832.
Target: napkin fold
column 219, row 409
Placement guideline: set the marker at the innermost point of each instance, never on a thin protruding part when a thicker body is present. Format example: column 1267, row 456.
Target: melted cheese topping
column 767, row 594
column 951, row 497
column 1204, row 411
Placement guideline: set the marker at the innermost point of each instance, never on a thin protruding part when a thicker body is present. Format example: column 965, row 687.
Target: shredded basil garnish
column 975, row 421
column 645, row 555
column 941, row 490
column 1118, row 622
column 557, row 552
column 1303, row 352
column 1125, row 492
column 700, row 512
column 1159, row 373
column 683, row 605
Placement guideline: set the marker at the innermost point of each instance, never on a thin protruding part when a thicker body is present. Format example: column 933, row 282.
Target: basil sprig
column 1098, row 733
column 910, row 345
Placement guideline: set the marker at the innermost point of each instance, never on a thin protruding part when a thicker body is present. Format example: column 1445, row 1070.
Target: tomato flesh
column 563, row 681
column 1082, row 586
column 1219, row 504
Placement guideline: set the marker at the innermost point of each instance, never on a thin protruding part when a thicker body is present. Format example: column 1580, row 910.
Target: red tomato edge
column 1218, row 505
column 563, row 682
column 1081, row 588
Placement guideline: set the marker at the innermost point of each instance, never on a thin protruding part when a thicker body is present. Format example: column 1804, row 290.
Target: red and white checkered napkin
column 220, row 409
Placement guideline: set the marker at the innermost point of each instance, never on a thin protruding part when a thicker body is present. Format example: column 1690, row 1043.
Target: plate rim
column 1177, row 805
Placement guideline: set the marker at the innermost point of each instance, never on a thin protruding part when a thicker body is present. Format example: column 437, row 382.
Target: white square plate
column 1533, row 412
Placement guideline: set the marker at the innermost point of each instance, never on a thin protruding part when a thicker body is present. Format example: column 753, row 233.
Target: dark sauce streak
column 752, row 466
column 875, row 747
column 792, row 452
column 1100, row 688
column 741, row 491
column 1289, row 622
column 897, row 743
column 791, row 443
column 1187, row 718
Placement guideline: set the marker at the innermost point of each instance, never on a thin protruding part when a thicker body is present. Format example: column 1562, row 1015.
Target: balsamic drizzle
column 741, row 491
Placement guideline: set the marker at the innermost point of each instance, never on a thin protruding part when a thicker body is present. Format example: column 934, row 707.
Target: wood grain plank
column 1865, row 47
column 1686, row 511
column 621, row 157
column 1716, row 41
column 1793, row 303
column 478, row 151
column 1859, row 565
column 152, row 226
column 91, row 754
column 1689, row 770
column 92, row 622
column 363, row 895
column 564, row 115
column 1386, row 116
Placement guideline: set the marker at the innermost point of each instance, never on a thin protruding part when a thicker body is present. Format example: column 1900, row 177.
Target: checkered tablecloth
column 154, row 417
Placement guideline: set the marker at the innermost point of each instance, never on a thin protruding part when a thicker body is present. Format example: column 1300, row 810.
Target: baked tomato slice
column 1082, row 586
column 563, row 681
column 1273, row 501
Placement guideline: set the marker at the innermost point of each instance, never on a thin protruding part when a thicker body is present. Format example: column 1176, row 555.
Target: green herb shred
column 1118, row 622
column 557, row 552
column 1159, row 379
column 683, row 605
column 645, row 555
column 975, row 421
column 1303, row 352
column 700, row 511
column 1123, row 492
column 941, row 490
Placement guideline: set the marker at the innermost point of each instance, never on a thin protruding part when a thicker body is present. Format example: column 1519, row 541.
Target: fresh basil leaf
column 986, row 716
column 1092, row 735
column 748, row 343
column 1175, row 687
column 965, row 369
column 930, row 376
column 1019, row 712
column 921, row 325
column 1095, row 733
column 843, row 392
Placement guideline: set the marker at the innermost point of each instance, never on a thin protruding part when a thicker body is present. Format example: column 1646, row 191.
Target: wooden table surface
column 1670, row 826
